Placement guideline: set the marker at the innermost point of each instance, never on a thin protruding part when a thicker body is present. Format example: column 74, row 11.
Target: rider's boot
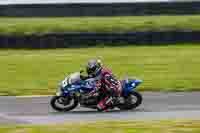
column 105, row 103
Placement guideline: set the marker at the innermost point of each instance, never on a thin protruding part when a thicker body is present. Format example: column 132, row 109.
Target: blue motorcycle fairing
column 130, row 85
column 78, row 87
column 85, row 87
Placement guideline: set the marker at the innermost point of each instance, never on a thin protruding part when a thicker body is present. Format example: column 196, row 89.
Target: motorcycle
column 74, row 91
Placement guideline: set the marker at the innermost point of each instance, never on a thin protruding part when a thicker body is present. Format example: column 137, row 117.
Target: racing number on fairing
column 64, row 83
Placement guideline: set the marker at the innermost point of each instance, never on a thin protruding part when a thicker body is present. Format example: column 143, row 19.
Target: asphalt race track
column 156, row 106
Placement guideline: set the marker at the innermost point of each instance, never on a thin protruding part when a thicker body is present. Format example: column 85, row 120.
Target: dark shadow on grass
column 97, row 112
column 89, row 40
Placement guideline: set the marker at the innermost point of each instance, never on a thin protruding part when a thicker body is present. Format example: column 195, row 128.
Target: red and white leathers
column 110, row 85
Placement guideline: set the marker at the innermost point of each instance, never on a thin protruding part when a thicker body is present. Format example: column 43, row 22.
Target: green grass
column 170, row 126
column 21, row 26
column 163, row 68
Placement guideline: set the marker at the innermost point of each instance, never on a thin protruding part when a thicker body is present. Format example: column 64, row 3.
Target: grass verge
column 22, row 26
column 163, row 68
column 170, row 126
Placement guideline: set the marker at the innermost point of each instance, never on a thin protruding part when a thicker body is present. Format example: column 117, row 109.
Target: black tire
column 60, row 109
column 129, row 106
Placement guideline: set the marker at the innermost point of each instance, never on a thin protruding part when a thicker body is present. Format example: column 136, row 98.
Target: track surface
column 156, row 106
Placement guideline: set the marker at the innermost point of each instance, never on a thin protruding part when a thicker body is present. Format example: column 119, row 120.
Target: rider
column 108, row 83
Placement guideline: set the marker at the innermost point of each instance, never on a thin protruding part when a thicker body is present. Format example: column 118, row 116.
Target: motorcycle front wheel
column 63, row 104
column 132, row 101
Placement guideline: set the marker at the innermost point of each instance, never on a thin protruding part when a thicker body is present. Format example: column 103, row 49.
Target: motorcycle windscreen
column 74, row 77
